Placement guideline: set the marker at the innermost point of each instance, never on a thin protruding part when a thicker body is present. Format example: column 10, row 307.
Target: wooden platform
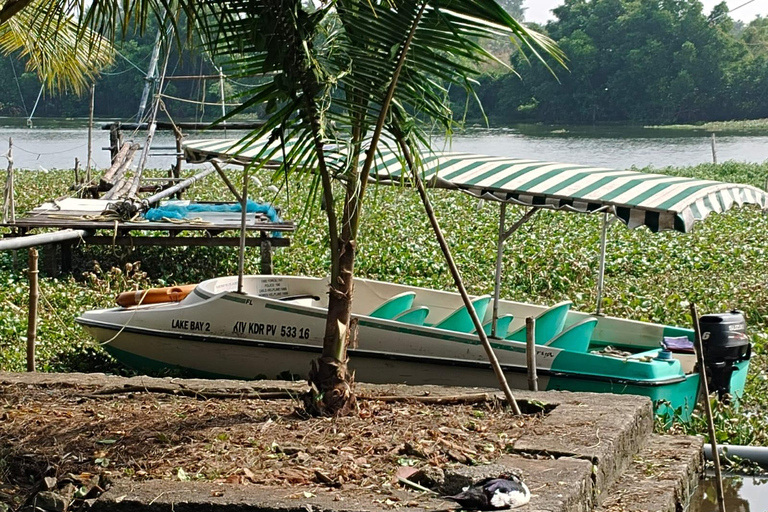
column 205, row 229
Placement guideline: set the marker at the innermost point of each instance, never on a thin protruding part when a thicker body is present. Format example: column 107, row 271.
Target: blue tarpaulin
column 185, row 211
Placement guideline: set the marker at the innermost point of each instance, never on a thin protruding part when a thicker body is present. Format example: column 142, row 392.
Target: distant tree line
column 639, row 61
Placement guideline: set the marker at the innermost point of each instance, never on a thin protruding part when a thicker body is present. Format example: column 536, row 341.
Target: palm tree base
column 331, row 389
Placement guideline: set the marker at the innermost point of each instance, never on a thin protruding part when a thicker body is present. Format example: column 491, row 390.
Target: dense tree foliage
column 650, row 61
column 641, row 61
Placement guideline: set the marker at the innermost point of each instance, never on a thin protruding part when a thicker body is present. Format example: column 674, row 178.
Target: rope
column 613, row 352
column 184, row 100
column 18, row 86
column 50, row 152
column 117, row 72
column 131, row 63
column 195, row 221
column 176, row 129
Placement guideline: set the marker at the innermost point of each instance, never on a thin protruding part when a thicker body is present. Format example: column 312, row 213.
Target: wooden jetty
column 110, row 217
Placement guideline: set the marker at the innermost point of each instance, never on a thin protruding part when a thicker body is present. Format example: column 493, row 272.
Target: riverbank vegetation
column 651, row 63
column 652, row 277
column 637, row 61
column 746, row 126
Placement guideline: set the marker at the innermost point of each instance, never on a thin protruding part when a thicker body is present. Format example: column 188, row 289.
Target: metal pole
column 530, row 353
column 90, row 136
column 499, row 254
column 221, row 93
column 503, row 235
column 34, row 294
column 39, row 94
column 180, row 186
column 24, row 242
column 601, row 268
column 707, row 407
column 243, row 216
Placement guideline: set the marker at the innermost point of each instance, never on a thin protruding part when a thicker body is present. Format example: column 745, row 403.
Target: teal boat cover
column 658, row 201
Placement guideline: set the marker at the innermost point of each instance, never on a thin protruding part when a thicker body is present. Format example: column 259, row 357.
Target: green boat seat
column 576, row 337
column 460, row 320
column 414, row 316
column 549, row 324
column 502, row 326
column 394, row 306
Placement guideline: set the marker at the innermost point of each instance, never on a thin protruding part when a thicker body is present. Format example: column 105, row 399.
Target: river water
column 55, row 143
column 742, row 494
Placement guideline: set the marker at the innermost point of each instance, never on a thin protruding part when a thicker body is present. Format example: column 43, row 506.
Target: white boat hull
column 275, row 328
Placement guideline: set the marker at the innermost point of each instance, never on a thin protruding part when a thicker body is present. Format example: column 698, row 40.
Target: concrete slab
column 569, row 460
column 605, row 431
column 561, row 485
column 661, row 478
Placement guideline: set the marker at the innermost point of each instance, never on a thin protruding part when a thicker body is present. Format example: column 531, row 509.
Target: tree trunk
column 331, row 382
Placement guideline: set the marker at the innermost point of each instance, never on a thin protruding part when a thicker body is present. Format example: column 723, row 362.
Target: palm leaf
column 54, row 48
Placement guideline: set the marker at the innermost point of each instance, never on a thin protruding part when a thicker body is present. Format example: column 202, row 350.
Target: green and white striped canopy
column 657, row 201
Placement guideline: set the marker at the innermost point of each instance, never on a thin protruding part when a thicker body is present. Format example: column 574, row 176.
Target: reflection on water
column 54, row 143
column 742, row 494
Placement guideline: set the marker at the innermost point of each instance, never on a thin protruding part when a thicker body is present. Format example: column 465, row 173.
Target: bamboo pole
column 530, row 353
column 90, row 135
column 460, row 283
column 243, row 221
column 9, row 208
column 714, row 150
column 34, row 295
column 707, row 407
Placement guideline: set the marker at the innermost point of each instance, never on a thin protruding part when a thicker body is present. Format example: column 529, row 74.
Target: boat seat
column 414, row 316
column 576, row 337
column 394, row 306
column 460, row 320
column 502, row 326
column 548, row 324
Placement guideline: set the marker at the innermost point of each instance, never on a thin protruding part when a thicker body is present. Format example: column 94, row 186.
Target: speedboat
column 405, row 334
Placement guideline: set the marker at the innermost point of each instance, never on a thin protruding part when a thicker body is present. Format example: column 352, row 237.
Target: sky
column 539, row 10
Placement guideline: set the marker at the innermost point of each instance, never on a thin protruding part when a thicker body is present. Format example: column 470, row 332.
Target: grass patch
column 753, row 126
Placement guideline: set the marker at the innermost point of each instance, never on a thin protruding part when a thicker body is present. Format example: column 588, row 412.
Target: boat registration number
column 286, row 331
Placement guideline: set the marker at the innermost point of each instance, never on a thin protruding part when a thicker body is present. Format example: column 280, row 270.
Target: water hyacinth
column 649, row 276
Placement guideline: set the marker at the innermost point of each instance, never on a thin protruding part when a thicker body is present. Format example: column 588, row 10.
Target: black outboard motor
column 725, row 343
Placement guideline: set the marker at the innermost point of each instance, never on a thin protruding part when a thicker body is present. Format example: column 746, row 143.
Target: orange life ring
column 154, row 295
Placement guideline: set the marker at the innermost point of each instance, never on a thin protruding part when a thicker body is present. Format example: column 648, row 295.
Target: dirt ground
column 54, row 431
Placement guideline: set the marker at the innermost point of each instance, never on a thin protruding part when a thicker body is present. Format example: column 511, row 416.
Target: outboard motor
column 725, row 343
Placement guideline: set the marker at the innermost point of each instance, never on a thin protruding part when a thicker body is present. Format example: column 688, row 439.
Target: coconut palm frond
column 54, row 48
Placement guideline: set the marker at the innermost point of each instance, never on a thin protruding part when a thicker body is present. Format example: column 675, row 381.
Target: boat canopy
column 658, row 201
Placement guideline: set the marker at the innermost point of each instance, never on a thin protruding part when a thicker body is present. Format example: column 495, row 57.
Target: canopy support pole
column 601, row 268
column 243, row 218
column 503, row 236
column 499, row 254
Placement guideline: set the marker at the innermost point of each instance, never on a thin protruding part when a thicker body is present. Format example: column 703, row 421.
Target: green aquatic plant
column 649, row 276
